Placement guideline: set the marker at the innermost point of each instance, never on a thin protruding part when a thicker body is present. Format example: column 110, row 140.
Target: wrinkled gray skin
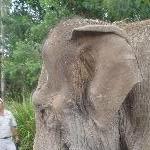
column 93, row 92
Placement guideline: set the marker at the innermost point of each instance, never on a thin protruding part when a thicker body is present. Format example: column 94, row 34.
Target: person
column 8, row 129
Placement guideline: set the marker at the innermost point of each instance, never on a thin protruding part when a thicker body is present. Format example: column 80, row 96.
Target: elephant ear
column 107, row 56
column 99, row 29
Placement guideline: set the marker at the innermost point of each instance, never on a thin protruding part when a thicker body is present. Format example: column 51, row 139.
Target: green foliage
column 24, row 115
column 127, row 9
column 86, row 8
column 17, row 26
column 22, row 68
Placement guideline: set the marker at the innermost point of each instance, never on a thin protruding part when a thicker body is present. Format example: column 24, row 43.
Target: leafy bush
column 25, row 118
column 22, row 68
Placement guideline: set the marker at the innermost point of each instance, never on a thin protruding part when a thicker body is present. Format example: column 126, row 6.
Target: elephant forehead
column 57, row 46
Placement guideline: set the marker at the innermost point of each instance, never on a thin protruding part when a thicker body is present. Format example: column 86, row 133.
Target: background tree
column 127, row 9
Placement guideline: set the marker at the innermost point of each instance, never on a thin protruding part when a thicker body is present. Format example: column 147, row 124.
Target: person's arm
column 15, row 134
column 14, row 129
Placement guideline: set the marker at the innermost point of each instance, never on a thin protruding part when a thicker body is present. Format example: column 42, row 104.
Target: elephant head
column 88, row 68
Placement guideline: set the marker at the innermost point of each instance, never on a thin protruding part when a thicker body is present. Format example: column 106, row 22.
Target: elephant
column 93, row 91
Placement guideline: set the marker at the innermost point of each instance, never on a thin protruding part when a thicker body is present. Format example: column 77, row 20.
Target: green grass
column 25, row 118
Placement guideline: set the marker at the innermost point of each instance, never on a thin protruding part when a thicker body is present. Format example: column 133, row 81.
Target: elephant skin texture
column 93, row 91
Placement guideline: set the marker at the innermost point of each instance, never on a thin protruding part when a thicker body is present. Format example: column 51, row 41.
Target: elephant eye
column 43, row 110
